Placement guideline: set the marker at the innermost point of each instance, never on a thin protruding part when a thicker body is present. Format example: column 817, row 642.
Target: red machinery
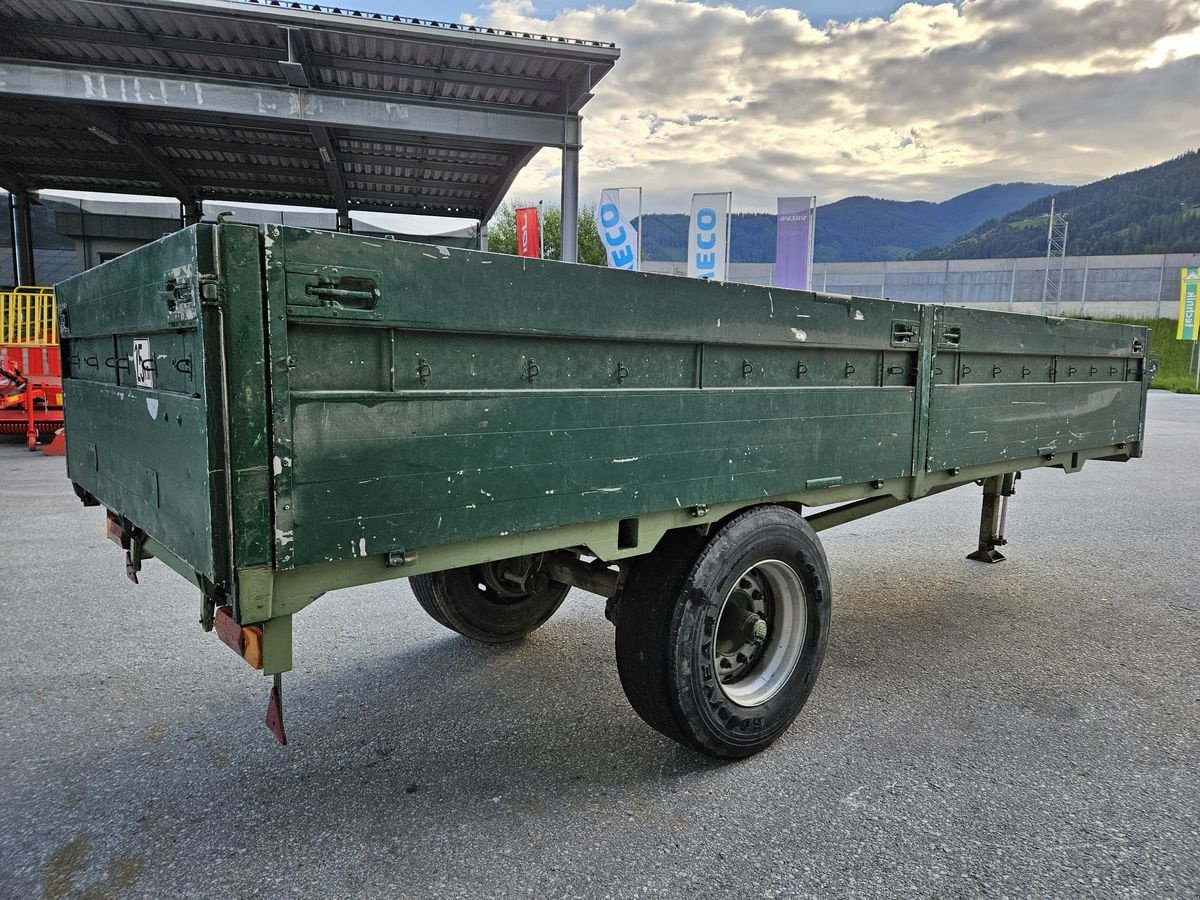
column 30, row 369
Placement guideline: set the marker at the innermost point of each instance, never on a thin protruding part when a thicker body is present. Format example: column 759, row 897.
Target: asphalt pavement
column 1025, row 729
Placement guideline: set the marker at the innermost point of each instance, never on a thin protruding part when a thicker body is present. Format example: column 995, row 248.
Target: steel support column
column 193, row 212
column 23, row 239
column 570, row 205
column 483, row 236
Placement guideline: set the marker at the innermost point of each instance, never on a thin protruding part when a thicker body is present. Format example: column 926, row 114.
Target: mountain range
column 855, row 228
column 1151, row 210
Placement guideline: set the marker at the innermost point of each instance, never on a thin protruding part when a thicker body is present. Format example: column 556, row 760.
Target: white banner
column 708, row 236
column 618, row 236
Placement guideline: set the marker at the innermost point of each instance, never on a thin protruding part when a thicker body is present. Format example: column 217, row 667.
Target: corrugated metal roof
column 59, row 145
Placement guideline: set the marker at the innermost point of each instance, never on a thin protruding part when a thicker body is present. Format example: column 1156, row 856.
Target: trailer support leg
column 996, row 491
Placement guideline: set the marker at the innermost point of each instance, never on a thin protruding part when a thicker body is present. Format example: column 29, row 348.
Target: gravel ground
column 1025, row 729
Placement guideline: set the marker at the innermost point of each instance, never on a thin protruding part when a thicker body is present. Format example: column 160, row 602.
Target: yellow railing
column 27, row 317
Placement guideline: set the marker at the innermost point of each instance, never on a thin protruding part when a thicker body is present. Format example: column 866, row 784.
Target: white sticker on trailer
column 143, row 363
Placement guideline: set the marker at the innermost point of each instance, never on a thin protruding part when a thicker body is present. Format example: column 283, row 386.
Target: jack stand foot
column 983, row 555
column 275, row 711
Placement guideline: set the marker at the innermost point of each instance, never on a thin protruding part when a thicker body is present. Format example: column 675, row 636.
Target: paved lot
column 1031, row 728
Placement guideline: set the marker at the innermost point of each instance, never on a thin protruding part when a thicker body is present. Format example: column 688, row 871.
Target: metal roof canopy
column 284, row 102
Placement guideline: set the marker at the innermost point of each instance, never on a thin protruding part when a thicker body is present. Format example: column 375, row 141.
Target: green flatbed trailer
column 277, row 413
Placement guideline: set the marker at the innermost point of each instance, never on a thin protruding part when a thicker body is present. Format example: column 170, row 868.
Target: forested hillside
column 1153, row 210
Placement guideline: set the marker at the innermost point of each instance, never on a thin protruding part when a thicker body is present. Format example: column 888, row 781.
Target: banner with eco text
column 1189, row 298
column 619, row 237
column 529, row 237
column 794, row 221
column 708, row 236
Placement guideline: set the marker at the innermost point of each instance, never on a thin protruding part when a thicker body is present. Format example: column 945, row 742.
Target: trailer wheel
column 719, row 645
column 487, row 603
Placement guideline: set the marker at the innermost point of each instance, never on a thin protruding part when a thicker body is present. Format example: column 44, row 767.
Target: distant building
column 1142, row 286
column 71, row 235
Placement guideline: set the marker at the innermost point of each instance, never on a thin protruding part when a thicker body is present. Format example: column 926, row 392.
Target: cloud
column 927, row 103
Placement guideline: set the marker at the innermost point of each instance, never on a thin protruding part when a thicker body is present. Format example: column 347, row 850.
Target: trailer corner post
column 996, row 491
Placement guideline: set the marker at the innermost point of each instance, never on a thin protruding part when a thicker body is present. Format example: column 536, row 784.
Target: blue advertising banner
column 708, row 236
column 618, row 236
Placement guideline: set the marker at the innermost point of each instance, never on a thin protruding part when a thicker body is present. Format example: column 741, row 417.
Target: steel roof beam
column 224, row 165
column 296, row 71
column 466, row 209
column 31, row 156
column 108, row 126
column 168, row 142
column 11, row 180
column 579, row 91
column 397, row 160
column 140, row 187
column 429, row 184
column 129, row 90
column 35, row 174
column 313, row 186
column 501, row 189
column 192, row 166
column 188, row 163
column 378, row 200
column 436, row 73
column 417, row 162
column 90, row 35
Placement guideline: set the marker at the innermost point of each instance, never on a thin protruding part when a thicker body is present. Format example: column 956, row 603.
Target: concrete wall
column 1137, row 285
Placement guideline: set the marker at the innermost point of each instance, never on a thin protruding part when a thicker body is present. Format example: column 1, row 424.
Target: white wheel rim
column 748, row 671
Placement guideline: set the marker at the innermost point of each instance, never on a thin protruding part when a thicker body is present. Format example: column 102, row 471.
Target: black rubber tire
column 455, row 599
column 424, row 593
column 676, row 593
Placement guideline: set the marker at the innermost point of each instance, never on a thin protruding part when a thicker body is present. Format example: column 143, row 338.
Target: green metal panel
column 155, row 451
column 148, row 451
column 1010, row 387
column 467, row 396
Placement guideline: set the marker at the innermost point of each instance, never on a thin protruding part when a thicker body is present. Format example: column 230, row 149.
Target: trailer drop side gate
column 277, row 413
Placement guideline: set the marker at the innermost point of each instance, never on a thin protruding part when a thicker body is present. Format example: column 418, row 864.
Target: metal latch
column 904, row 332
column 348, row 290
column 951, row 335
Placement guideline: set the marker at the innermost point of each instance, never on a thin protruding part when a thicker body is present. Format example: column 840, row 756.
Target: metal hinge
column 210, row 289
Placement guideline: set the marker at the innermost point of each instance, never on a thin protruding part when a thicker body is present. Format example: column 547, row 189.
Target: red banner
column 529, row 240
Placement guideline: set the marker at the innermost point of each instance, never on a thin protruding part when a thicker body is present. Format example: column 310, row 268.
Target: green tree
column 502, row 233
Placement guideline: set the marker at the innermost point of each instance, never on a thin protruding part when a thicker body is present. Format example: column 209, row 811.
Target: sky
column 912, row 101
column 915, row 101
